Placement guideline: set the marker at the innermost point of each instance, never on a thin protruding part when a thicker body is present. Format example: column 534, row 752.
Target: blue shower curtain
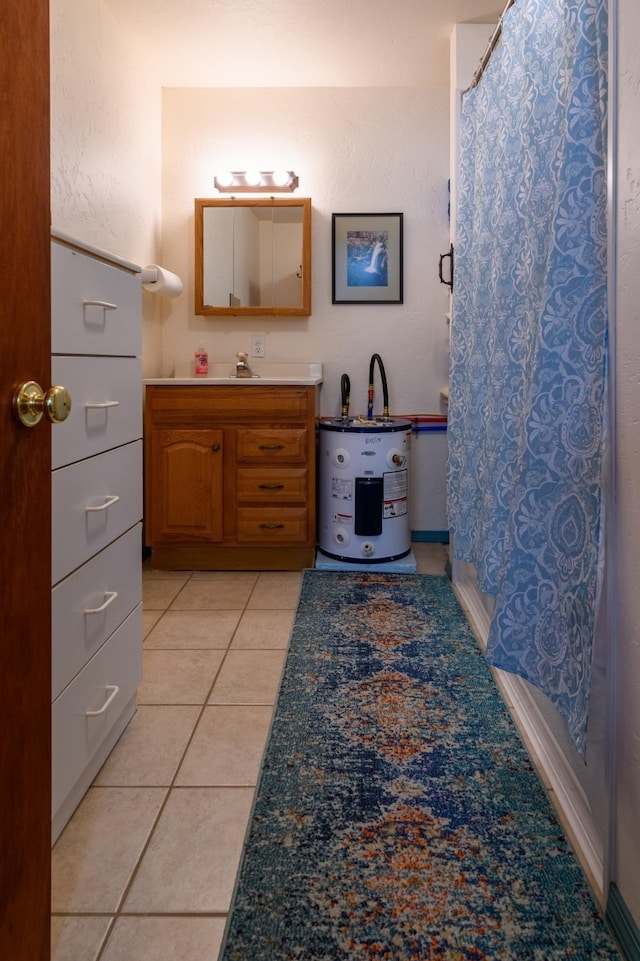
column 527, row 392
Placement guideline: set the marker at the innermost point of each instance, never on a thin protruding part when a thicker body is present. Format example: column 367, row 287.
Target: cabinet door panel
column 185, row 486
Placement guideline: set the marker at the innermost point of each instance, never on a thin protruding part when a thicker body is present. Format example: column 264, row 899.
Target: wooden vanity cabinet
column 230, row 476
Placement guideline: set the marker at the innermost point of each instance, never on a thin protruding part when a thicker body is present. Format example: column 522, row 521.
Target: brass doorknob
column 30, row 402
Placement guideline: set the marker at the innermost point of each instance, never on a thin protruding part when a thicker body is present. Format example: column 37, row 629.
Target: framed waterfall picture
column 367, row 258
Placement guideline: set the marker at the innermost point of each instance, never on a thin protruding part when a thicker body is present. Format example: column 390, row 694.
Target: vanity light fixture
column 255, row 181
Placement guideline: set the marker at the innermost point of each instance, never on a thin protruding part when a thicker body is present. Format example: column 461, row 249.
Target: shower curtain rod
column 493, row 42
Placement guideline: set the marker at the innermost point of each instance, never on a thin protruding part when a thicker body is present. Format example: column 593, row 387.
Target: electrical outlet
column 258, row 345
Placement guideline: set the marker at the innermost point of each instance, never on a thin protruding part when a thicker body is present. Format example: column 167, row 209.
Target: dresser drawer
column 106, row 405
column 91, row 603
column 286, row 525
column 95, row 306
column 104, row 687
column 272, row 485
column 264, row 446
column 93, row 502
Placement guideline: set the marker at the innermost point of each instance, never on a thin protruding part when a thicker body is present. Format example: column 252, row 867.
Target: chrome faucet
column 242, row 366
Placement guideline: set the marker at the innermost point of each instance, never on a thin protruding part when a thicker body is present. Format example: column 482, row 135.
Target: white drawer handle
column 115, row 690
column 100, row 303
column 109, row 501
column 103, row 406
column 109, row 598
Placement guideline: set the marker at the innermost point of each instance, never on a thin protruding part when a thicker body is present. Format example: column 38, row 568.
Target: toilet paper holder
column 158, row 280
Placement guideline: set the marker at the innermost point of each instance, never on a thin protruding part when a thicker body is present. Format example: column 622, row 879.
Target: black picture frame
column 366, row 255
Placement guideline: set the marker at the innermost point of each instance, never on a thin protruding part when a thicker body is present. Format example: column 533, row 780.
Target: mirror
column 253, row 257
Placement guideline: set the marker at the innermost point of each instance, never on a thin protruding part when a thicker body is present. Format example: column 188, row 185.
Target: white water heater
column 363, row 489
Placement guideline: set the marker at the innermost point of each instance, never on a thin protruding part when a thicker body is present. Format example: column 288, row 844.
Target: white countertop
column 264, row 374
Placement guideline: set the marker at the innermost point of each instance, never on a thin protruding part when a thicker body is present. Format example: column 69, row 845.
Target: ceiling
column 289, row 43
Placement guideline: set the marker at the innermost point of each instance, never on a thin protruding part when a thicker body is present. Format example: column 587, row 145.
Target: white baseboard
column 558, row 775
column 553, row 767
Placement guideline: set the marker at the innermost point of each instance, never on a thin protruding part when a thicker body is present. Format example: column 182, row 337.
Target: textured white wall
column 105, row 143
column 627, row 700
column 355, row 150
column 301, row 43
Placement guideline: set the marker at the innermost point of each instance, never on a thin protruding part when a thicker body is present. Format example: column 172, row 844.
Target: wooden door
column 25, row 485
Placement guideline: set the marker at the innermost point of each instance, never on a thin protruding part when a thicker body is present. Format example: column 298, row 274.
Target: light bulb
column 281, row 178
column 253, row 177
column 224, row 178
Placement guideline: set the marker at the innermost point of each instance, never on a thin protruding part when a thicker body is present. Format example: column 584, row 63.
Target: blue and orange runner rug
column 398, row 815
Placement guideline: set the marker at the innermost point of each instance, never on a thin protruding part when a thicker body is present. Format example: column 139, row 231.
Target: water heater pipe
column 345, row 388
column 385, row 392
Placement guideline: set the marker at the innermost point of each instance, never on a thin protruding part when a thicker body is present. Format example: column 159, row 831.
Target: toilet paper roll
column 157, row 280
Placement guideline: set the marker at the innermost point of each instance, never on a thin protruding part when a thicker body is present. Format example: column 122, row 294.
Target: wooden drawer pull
column 109, row 598
column 115, row 690
column 271, row 527
column 271, row 487
column 271, row 447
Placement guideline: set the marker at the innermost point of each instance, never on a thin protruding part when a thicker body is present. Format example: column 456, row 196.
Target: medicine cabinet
column 253, row 257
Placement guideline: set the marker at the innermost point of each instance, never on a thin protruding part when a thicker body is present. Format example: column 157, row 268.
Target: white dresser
column 96, row 342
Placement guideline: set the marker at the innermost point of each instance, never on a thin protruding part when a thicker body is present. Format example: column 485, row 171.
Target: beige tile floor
column 145, row 868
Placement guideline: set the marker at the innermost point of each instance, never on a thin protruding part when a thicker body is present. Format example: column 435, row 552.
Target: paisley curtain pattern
column 527, row 393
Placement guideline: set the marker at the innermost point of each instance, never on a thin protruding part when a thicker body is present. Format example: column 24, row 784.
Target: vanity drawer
column 265, row 485
column 237, row 405
column 91, row 603
column 265, row 446
column 259, row 525
column 105, row 686
column 95, row 306
column 93, row 502
column 106, row 405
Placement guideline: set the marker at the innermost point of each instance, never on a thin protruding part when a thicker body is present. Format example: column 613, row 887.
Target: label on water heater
column 341, row 488
column 395, row 502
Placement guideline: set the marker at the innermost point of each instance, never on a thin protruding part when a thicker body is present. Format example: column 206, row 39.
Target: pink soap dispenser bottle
column 202, row 362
